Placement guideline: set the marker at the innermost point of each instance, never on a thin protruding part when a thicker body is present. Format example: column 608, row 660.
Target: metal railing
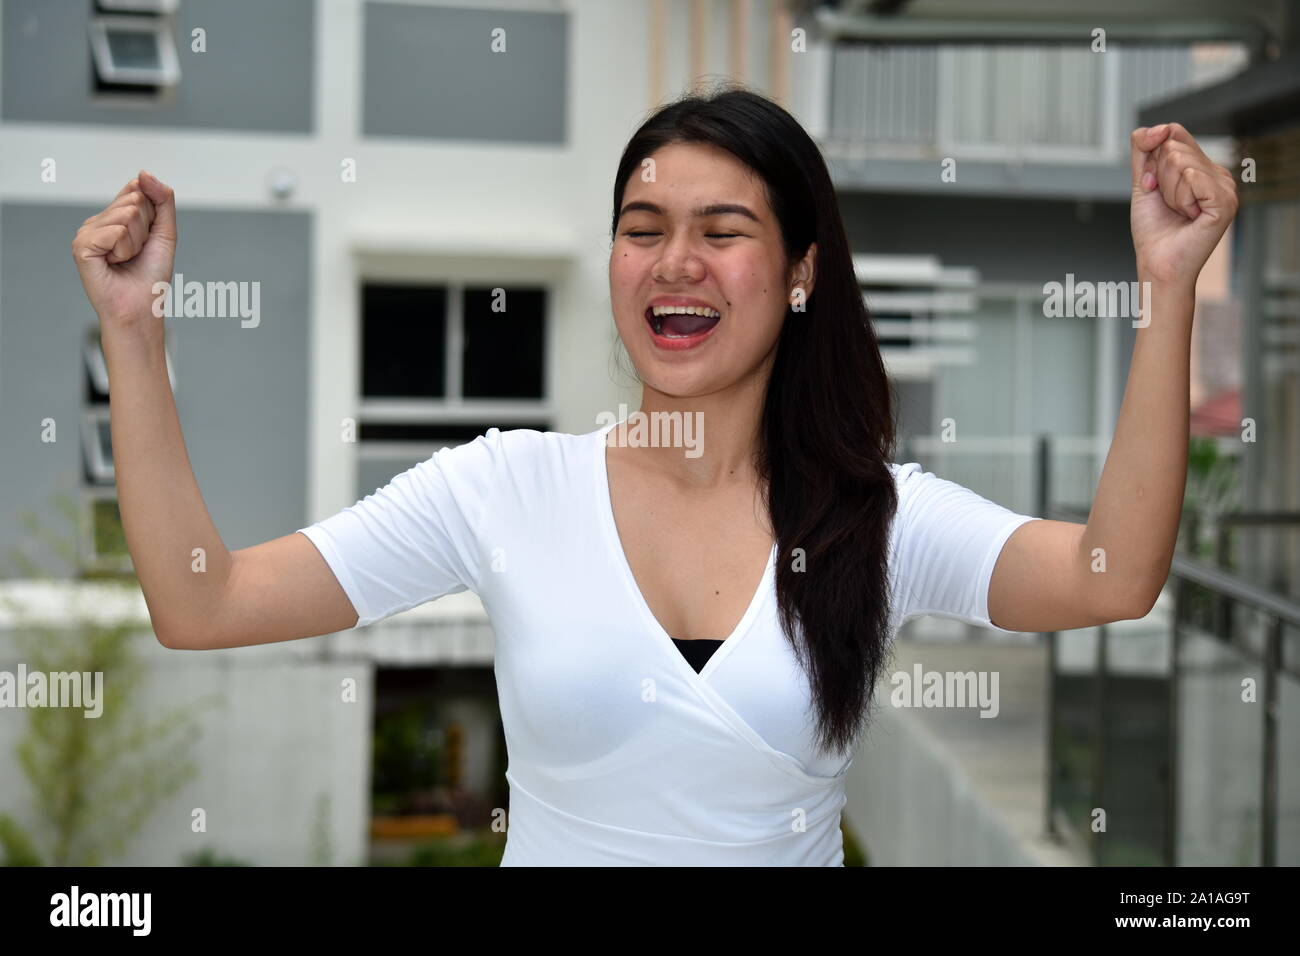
column 1045, row 102
column 1224, row 591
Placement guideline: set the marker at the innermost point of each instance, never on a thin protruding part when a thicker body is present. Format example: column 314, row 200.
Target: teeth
column 685, row 310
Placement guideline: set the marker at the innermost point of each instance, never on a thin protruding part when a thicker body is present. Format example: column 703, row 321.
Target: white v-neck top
column 620, row 753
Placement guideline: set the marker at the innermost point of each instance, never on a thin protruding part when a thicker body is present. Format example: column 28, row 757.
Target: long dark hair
column 827, row 429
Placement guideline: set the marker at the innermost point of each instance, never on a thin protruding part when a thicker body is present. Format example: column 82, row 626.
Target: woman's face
column 700, row 233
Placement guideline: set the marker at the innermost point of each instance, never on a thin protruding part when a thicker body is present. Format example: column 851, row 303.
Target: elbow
column 171, row 638
column 1136, row 605
column 160, row 631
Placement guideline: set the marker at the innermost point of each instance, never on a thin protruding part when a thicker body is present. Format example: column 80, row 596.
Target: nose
column 679, row 261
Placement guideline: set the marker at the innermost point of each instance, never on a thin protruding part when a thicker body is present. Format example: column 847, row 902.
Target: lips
column 676, row 332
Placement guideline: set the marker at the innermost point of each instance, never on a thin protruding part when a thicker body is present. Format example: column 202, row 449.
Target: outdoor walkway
column 945, row 786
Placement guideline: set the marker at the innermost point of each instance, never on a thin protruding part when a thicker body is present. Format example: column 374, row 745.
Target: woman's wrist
column 137, row 343
column 1184, row 286
column 1162, row 293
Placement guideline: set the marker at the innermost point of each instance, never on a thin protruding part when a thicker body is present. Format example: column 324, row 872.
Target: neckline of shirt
column 667, row 643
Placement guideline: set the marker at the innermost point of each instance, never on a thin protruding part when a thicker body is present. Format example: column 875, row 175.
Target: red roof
column 1218, row 415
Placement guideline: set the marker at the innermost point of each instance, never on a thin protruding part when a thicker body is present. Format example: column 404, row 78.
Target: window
column 137, row 6
column 97, row 368
column 97, row 446
column 403, row 341
column 133, row 53
column 504, row 349
column 443, row 363
column 103, row 545
column 104, row 540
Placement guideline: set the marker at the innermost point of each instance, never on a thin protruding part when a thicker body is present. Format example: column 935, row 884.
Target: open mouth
column 681, row 322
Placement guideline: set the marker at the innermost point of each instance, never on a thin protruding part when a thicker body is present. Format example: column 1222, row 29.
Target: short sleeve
column 416, row 538
column 947, row 539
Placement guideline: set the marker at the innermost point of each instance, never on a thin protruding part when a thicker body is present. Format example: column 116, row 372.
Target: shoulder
column 919, row 489
column 524, row 445
column 946, row 512
column 932, row 506
column 910, row 481
column 905, row 473
column 519, row 453
column 509, row 443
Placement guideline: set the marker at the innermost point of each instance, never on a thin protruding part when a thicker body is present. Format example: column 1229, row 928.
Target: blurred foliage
column 210, row 857
column 110, row 537
column 94, row 780
column 16, row 847
column 468, row 848
column 407, row 754
column 854, row 853
column 1213, row 488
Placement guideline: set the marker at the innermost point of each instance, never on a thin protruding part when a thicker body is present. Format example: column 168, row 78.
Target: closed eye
column 711, row 235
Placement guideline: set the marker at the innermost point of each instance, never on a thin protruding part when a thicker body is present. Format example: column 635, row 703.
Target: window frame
column 92, row 560
column 97, row 363
column 454, row 408
column 101, row 468
column 168, row 73
column 136, row 6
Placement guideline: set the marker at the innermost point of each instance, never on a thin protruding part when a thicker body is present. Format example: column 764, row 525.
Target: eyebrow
column 717, row 209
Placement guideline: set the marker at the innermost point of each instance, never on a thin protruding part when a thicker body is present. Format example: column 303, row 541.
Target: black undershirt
column 697, row 652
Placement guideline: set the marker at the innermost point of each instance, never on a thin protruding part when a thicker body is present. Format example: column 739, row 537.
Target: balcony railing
column 1013, row 102
column 1166, row 747
column 1171, row 740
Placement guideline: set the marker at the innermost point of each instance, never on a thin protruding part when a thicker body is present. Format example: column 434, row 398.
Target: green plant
column 210, row 857
column 407, row 752
column 855, row 854
column 1213, row 489
column 15, row 845
column 94, row 780
column 470, row 848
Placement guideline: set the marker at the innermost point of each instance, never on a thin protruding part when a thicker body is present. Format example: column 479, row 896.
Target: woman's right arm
column 276, row 591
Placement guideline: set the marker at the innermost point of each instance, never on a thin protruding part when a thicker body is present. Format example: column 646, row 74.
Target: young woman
column 686, row 642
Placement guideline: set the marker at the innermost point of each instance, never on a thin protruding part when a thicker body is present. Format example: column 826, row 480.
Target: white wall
column 274, row 734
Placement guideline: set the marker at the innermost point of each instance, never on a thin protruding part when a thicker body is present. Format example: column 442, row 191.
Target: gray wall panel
column 430, row 72
column 43, row 314
column 373, row 474
column 242, row 393
column 1007, row 239
column 257, row 72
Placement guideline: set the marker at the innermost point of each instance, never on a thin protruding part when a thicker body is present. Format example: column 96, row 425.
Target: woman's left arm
column 1058, row 575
